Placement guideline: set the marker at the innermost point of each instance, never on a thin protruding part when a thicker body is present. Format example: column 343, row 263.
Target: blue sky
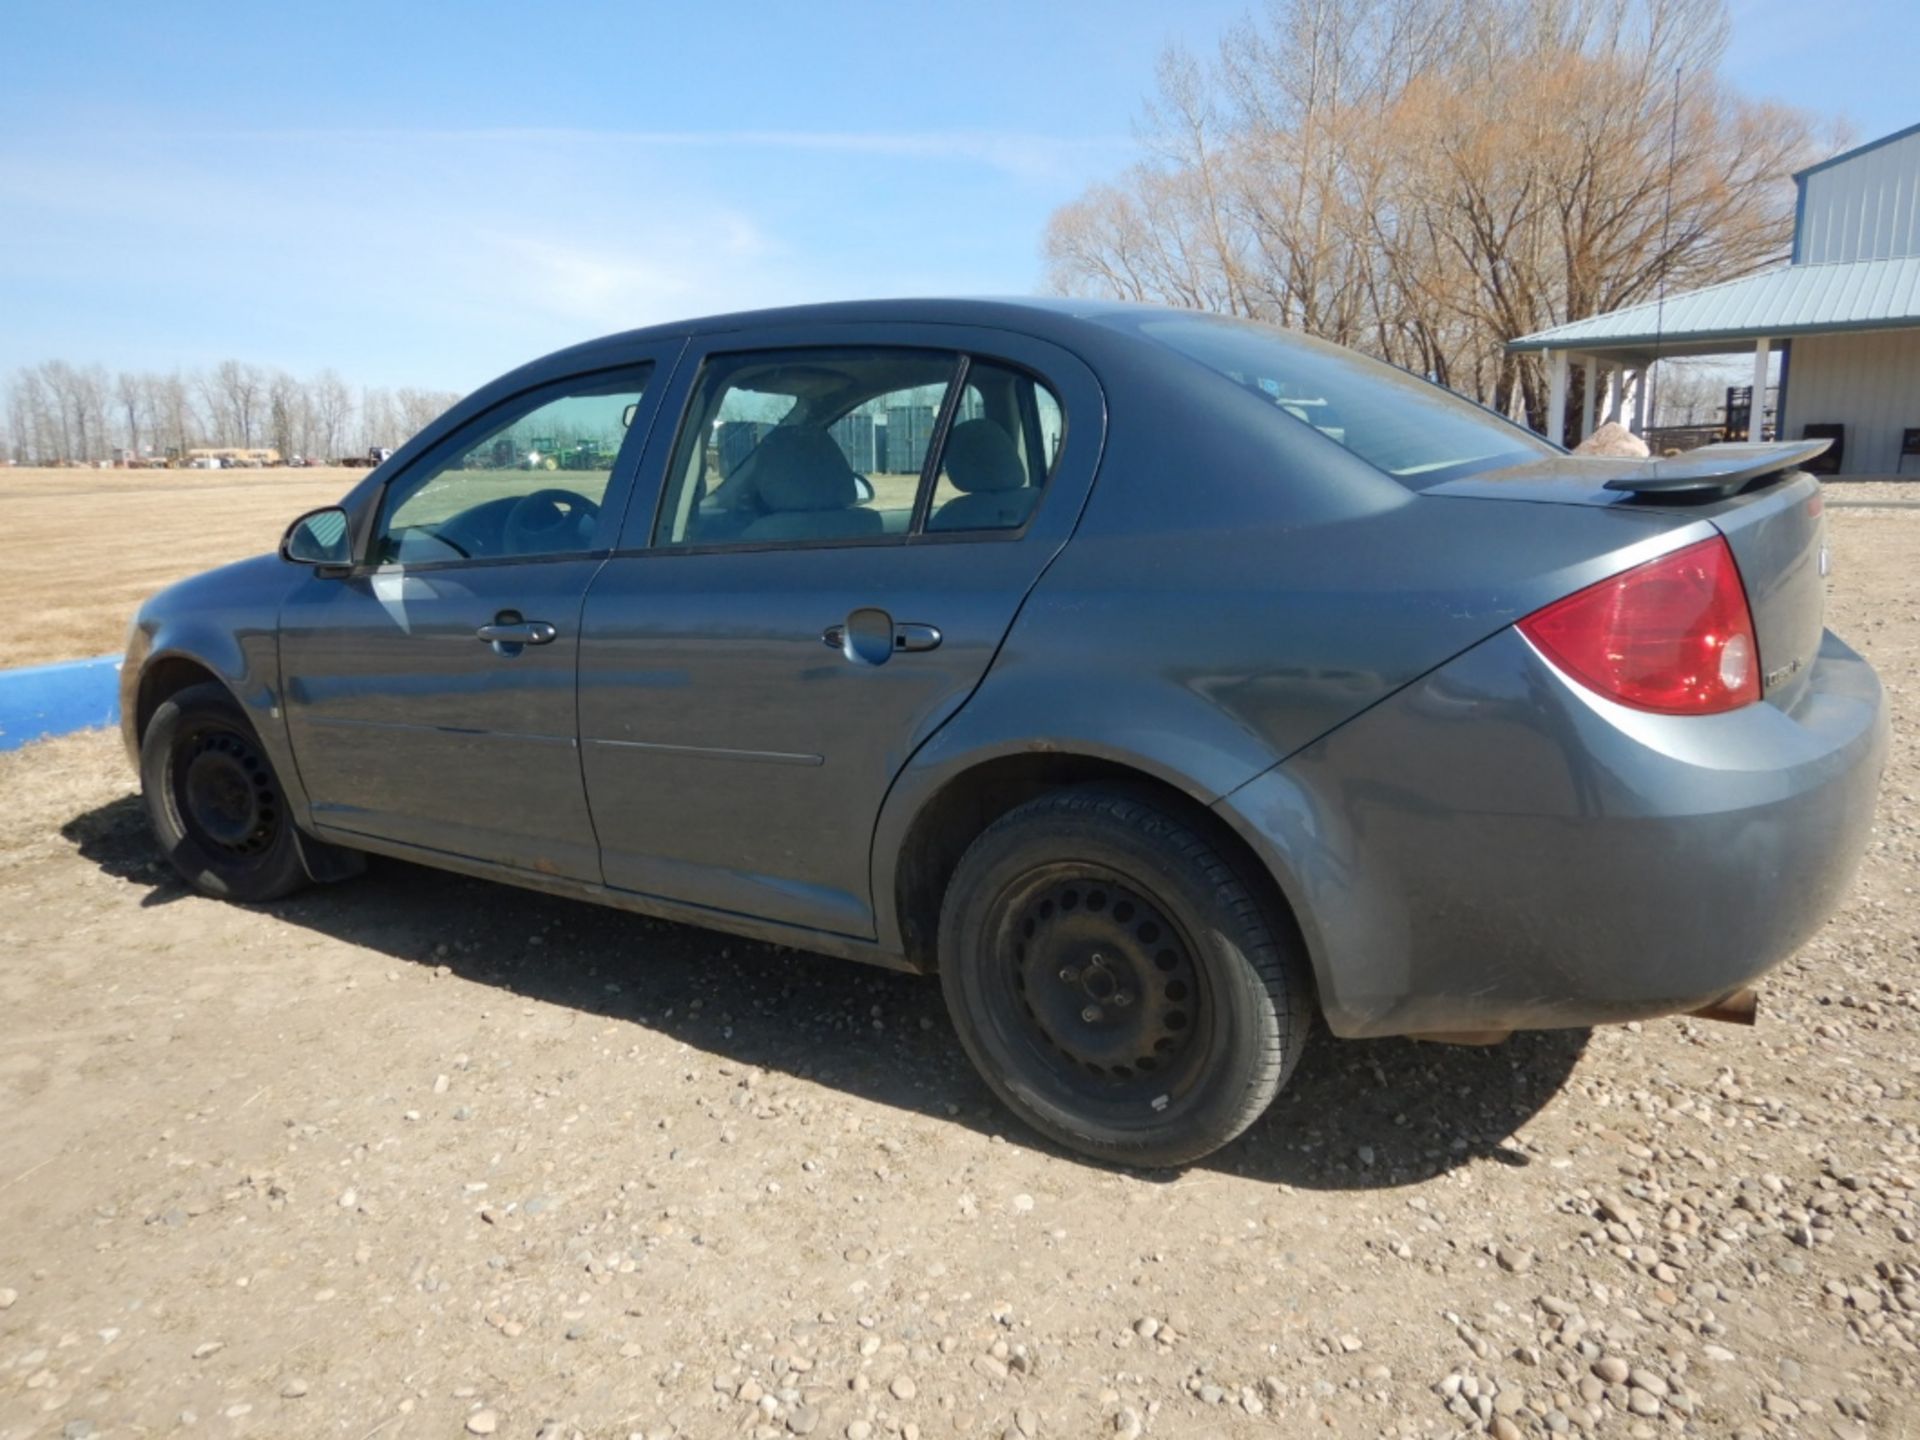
column 430, row 193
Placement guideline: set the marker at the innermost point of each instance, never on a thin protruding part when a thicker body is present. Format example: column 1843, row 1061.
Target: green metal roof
column 1793, row 300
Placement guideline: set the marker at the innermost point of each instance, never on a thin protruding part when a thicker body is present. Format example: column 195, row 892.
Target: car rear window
column 1418, row 432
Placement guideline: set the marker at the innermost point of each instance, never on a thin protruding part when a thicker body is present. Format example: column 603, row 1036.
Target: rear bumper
column 1495, row 847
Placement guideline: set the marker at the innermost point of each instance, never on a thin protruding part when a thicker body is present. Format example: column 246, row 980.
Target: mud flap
column 326, row 863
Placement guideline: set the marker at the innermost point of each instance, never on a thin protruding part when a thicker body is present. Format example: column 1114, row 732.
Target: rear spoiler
column 1716, row 470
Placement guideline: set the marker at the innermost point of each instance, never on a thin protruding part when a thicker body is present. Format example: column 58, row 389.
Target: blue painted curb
column 42, row 700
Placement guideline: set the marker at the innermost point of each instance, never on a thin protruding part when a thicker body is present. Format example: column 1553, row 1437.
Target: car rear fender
column 988, row 746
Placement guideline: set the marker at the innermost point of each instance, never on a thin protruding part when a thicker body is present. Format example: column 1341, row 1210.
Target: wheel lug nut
column 1069, row 975
column 1122, row 998
column 1090, row 1014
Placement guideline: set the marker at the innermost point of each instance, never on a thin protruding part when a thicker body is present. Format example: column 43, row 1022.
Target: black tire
column 1116, row 982
column 216, row 805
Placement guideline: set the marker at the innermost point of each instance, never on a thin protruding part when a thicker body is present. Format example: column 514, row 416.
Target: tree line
column 1427, row 180
column 57, row 413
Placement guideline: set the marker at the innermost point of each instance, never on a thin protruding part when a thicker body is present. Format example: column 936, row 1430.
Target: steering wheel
column 550, row 520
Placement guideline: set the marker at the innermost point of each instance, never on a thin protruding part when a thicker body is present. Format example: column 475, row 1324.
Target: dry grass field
column 80, row 549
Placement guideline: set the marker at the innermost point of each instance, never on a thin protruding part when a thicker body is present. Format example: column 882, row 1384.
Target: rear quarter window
column 1415, row 431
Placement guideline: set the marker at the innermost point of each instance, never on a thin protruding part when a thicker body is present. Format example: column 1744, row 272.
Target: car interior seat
column 809, row 490
column 987, row 471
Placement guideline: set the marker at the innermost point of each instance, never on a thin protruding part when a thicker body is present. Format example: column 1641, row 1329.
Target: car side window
column 804, row 446
column 1000, row 451
column 529, row 478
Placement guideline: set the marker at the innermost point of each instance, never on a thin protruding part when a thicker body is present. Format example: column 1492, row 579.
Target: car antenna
column 1666, row 226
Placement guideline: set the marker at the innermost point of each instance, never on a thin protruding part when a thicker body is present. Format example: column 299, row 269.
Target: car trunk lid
column 1757, row 496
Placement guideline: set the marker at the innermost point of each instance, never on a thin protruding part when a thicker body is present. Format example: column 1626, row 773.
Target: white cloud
column 564, row 279
column 1020, row 155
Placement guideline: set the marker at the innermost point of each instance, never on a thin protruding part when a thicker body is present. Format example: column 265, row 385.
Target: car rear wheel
column 1116, row 982
column 216, row 805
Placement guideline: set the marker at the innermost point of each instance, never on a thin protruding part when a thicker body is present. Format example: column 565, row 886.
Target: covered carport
column 1848, row 333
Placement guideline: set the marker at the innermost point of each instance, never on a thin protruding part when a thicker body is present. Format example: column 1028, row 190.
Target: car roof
column 1071, row 323
column 1057, row 318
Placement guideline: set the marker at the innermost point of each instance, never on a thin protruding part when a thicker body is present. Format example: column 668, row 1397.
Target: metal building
column 858, row 438
column 1844, row 313
column 909, row 432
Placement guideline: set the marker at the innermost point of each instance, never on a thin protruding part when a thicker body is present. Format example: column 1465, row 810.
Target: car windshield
column 1416, row 431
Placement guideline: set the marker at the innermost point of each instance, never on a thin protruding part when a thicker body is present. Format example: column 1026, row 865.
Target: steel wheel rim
column 224, row 794
column 1092, row 980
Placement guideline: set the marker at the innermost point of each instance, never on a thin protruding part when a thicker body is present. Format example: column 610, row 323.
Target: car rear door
column 748, row 693
column 430, row 692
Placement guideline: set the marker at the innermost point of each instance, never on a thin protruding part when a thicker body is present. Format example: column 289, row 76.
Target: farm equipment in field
column 547, row 453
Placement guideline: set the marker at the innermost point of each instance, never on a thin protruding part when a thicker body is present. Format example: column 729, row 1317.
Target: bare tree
column 51, row 391
column 91, row 398
column 284, row 404
column 233, row 393
column 379, row 424
column 30, row 412
column 74, row 401
column 1692, row 392
column 170, row 402
column 1429, row 179
column 420, row 408
column 58, row 413
column 130, row 395
column 332, row 406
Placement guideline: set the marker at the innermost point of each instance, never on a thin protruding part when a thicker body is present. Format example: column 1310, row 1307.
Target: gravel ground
column 1865, row 492
column 423, row 1157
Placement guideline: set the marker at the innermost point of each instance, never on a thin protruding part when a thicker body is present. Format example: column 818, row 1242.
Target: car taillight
column 1673, row 635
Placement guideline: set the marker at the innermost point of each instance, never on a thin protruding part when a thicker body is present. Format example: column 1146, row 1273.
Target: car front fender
column 224, row 623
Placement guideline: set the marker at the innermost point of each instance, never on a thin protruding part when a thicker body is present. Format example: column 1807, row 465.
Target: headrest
column 803, row 470
column 980, row 457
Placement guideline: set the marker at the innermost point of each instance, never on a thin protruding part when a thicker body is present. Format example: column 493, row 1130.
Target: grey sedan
column 1160, row 681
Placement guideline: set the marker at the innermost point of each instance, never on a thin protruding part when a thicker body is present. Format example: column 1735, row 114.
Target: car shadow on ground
column 1356, row 1114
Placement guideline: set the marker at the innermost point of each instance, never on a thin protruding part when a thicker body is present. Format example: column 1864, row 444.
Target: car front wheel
column 216, row 805
column 1116, row 982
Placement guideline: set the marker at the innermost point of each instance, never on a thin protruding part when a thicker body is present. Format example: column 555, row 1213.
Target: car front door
column 430, row 691
column 846, row 528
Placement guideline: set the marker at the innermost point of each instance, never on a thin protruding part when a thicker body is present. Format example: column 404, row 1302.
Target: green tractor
column 547, row 453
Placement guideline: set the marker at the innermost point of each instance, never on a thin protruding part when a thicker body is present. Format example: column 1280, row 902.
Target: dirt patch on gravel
column 419, row 1156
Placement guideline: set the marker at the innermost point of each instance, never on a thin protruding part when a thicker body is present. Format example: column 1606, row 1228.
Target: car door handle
column 870, row 636
column 916, row 637
column 517, row 632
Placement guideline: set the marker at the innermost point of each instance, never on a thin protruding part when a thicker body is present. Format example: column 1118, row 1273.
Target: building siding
column 1868, row 382
column 858, row 438
column 1864, row 208
column 909, row 433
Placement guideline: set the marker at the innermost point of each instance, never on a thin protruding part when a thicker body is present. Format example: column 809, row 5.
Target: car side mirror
column 865, row 488
column 322, row 539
